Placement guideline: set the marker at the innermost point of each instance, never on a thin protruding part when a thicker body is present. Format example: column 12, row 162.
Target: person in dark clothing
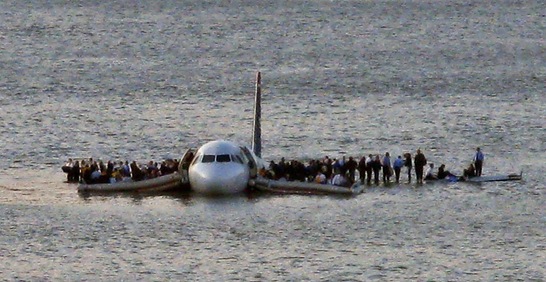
column 478, row 161
column 362, row 169
column 136, row 173
column 407, row 163
column 443, row 173
column 376, row 166
column 75, row 172
column 109, row 169
column 420, row 162
column 470, row 171
column 369, row 168
column 86, row 173
column 273, row 167
column 311, row 170
column 351, row 166
column 165, row 169
column 327, row 168
column 281, row 166
column 102, row 166
column 299, row 171
column 288, row 171
column 387, row 168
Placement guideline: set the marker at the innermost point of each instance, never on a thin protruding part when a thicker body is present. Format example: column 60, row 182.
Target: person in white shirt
column 340, row 179
column 369, row 162
column 429, row 175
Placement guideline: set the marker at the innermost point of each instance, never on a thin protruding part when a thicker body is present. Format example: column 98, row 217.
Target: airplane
column 225, row 167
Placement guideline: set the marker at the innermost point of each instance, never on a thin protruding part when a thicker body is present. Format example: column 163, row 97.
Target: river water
column 143, row 81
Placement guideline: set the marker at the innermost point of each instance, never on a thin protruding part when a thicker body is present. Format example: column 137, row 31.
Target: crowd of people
column 92, row 171
column 371, row 168
column 341, row 172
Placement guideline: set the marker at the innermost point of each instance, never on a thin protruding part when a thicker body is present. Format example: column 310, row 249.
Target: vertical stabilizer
column 257, row 130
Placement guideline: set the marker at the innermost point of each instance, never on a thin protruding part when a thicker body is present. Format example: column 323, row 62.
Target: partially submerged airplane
column 222, row 167
column 218, row 167
column 225, row 167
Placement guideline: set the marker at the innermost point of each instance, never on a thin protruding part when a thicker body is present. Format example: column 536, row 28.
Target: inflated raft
column 296, row 187
column 162, row 183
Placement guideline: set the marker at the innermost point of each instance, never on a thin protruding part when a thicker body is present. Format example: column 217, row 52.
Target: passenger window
column 223, row 158
column 208, row 159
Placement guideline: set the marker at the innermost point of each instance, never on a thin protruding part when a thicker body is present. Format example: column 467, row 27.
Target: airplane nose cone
column 218, row 178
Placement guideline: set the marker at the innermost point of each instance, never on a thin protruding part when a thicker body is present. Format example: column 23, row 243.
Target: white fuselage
column 223, row 167
column 220, row 167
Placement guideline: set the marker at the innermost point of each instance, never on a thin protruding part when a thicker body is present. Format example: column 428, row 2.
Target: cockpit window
column 237, row 159
column 223, row 158
column 243, row 156
column 208, row 159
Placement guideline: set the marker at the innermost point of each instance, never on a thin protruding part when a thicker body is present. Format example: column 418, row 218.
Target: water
column 145, row 81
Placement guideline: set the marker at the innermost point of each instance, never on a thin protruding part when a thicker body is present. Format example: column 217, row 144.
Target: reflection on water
column 135, row 197
column 392, row 232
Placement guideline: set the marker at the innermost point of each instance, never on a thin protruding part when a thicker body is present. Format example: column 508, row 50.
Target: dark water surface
column 146, row 80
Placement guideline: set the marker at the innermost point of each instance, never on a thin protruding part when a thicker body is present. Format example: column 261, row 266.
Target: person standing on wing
column 387, row 168
column 362, row 169
column 420, row 162
column 369, row 168
column 376, row 166
column 407, row 163
column 478, row 161
column 398, row 164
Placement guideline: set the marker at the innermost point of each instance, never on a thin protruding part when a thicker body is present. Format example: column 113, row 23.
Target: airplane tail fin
column 257, row 130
